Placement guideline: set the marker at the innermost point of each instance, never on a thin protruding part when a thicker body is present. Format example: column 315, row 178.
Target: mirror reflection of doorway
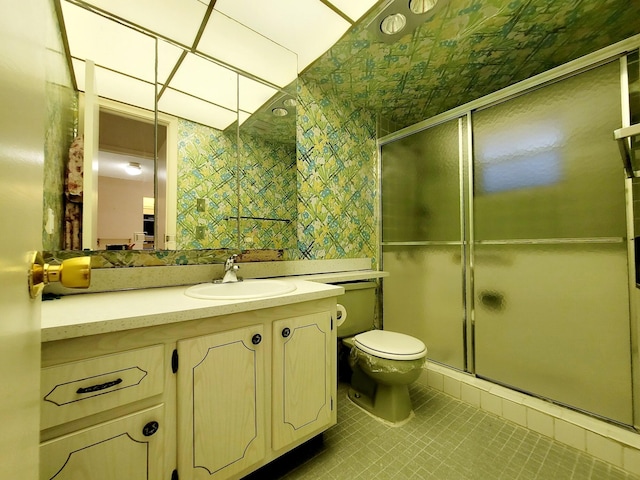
column 127, row 215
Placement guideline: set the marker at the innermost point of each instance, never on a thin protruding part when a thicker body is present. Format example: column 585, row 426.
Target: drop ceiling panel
column 354, row 9
column 207, row 80
column 234, row 44
column 254, row 94
column 307, row 27
column 178, row 20
column 108, row 43
column 196, row 110
column 118, row 87
column 168, row 56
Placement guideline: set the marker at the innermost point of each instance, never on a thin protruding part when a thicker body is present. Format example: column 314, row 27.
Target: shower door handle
column 623, row 137
column 492, row 300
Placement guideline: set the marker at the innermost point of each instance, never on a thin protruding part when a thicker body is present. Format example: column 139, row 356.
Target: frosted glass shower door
column 422, row 246
column 551, row 306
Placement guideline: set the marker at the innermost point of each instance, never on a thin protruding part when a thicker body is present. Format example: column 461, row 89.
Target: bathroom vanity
column 154, row 384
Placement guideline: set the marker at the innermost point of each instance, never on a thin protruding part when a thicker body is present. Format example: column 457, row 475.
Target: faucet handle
column 230, row 263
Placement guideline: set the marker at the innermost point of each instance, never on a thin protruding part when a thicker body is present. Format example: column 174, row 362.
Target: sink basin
column 240, row 291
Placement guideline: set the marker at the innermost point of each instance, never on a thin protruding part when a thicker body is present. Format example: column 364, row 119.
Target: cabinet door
column 130, row 447
column 221, row 403
column 303, row 377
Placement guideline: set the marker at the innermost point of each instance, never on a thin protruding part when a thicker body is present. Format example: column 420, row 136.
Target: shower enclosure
column 504, row 229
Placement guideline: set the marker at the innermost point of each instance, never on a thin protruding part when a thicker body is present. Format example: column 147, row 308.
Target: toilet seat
column 390, row 345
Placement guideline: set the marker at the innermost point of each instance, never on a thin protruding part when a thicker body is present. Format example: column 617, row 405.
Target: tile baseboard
column 610, row 443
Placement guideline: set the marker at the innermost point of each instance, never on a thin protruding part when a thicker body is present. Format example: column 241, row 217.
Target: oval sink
column 241, row 290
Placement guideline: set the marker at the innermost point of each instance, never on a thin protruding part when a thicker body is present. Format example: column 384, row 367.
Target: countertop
column 91, row 314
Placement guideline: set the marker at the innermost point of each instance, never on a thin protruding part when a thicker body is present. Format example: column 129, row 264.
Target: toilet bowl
column 383, row 363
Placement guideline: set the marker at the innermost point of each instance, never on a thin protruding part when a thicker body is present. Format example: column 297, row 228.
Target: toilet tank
column 359, row 300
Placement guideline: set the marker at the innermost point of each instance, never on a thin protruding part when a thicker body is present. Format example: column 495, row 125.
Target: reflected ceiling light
column 393, row 23
column 133, row 168
column 422, row 6
column 290, row 102
column 279, row 112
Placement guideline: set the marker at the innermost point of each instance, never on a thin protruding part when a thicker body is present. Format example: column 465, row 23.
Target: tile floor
column 447, row 439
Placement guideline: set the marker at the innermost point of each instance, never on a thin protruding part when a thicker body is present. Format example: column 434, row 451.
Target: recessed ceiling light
column 422, row 6
column 393, row 23
column 279, row 112
column 133, row 168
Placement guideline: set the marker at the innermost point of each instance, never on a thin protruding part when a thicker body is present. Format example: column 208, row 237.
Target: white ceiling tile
column 118, row 87
column 354, row 9
column 234, row 44
column 190, row 108
column 207, row 80
column 254, row 94
column 307, row 27
column 168, row 56
column 109, row 44
column 243, row 117
column 178, row 20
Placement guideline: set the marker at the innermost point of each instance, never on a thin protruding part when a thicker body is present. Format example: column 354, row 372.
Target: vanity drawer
column 75, row 390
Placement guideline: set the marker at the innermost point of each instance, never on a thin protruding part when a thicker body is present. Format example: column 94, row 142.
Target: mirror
column 225, row 173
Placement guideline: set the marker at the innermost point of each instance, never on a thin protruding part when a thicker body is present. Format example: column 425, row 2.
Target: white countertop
column 90, row 314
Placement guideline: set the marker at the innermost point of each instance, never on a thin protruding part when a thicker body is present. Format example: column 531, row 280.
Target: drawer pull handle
column 101, row 386
column 256, row 339
column 286, row 332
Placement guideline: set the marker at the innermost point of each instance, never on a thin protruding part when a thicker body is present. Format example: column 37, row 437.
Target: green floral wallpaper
column 337, row 176
column 208, row 191
column 207, row 188
column 62, row 107
column 268, row 194
column 468, row 49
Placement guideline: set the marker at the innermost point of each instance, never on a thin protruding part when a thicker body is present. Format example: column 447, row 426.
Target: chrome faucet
column 230, row 269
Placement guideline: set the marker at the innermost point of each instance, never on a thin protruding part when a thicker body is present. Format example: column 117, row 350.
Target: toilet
column 383, row 363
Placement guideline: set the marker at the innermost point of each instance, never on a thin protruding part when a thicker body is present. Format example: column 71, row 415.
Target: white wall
column 120, row 208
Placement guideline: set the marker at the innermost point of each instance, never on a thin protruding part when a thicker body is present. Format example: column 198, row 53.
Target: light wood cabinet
column 221, row 403
column 129, row 447
column 303, row 374
column 229, row 394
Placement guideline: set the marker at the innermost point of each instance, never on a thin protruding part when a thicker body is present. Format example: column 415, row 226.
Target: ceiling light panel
column 196, row 110
column 108, row 43
column 248, row 51
column 254, row 94
column 315, row 29
column 178, row 20
column 207, row 80
column 243, row 117
column 116, row 86
column 354, row 9
column 168, row 56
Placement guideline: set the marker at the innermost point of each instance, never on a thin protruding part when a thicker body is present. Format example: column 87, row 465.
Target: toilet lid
column 391, row 345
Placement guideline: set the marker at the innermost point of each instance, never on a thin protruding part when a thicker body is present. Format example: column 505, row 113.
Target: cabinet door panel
column 116, row 449
column 302, row 365
column 220, row 403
